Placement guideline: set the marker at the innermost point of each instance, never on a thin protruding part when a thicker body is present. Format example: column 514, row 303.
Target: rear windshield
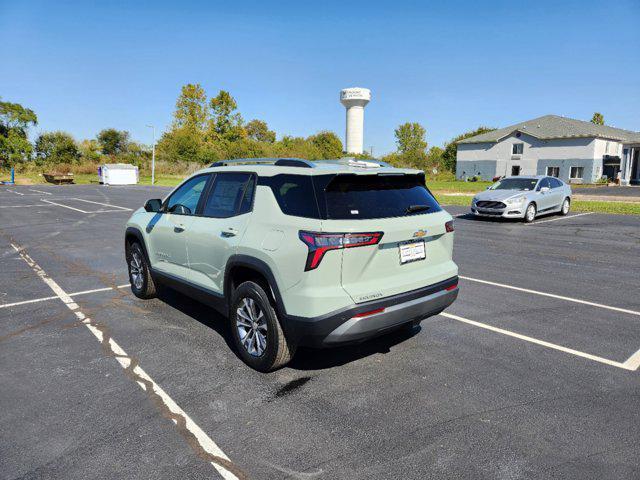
column 377, row 196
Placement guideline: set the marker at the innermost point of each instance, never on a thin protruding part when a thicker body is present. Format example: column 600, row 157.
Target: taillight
column 449, row 226
column 321, row 243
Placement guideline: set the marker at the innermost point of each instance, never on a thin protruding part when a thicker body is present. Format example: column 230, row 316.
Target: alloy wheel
column 252, row 327
column 565, row 206
column 531, row 213
column 137, row 270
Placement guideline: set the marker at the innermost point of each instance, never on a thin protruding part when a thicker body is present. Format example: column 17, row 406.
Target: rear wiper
column 417, row 208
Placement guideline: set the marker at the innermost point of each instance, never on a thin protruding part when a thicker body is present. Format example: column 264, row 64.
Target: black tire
column 562, row 210
column 278, row 350
column 527, row 217
column 144, row 287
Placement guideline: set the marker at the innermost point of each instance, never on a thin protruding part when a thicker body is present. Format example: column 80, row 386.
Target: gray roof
column 555, row 127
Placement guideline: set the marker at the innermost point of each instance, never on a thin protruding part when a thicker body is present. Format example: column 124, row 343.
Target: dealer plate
column 412, row 251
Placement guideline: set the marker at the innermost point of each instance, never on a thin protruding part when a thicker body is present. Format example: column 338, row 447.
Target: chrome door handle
column 229, row 232
column 178, row 228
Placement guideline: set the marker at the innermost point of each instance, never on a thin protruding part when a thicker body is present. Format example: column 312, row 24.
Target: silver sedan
column 523, row 197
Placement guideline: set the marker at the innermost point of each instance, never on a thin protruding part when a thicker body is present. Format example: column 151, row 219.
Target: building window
column 553, row 172
column 515, row 170
column 517, row 148
column 576, row 172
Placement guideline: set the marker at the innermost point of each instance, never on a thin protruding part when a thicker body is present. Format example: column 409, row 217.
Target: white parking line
column 40, row 191
column 64, row 206
column 631, row 364
column 44, row 299
column 551, row 295
column 556, row 219
column 13, row 191
column 24, row 206
column 99, row 203
column 204, row 444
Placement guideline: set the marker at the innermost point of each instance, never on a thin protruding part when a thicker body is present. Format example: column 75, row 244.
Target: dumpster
column 118, row 174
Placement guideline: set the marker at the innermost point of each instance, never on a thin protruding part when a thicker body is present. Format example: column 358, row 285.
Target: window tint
column 543, row 183
column 377, row 196
column 294, row 194
column 227, row 194
column 555, row 183
column 188, row 194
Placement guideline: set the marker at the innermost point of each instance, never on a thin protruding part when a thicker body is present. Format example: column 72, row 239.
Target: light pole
column 153, row 155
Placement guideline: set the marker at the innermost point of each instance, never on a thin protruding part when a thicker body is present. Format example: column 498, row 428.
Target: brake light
column 449, row 226
column 320, row 243
column 370, row 312
column 451, row 287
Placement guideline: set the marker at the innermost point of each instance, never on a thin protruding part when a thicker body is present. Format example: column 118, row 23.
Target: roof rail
column 354, row 162
column 279, row 162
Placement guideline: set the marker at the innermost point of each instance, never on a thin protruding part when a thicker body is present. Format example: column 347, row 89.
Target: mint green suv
column 296, row 253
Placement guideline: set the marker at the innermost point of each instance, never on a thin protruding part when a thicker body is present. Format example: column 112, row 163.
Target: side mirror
column 153, row 206
column 489, row 187
column 544, row 189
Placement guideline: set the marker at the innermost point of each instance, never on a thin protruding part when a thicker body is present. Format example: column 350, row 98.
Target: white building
column 573, row 150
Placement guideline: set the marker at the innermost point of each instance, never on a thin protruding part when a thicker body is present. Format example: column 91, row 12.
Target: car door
column 167, row 236
column 556, row 193
column 544, row 198
column 215, row 234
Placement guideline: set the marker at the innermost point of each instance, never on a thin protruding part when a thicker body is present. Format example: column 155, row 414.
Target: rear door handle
column 229, row 232
column 178, row 228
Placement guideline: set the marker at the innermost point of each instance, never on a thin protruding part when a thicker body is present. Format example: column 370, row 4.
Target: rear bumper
column 345, row 326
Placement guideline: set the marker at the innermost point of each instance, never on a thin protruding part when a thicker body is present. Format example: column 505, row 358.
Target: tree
column 113, row 142
column 451, row 148
column 57, row 147
column 410, row 138
column 191, row 108
column 259, row 131
column 328, row 144
column 15, row 121
column 14, row 117
column 90, row 150
column 597, row 118
column 225, row 123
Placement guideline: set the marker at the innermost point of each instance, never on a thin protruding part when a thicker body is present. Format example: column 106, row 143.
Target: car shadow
column 200, row 312
column 305, row 358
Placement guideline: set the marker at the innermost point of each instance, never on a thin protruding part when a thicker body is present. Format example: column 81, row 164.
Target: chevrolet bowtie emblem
column 419, row 234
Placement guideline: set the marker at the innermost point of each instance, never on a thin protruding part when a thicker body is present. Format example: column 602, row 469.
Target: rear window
column 377, row 196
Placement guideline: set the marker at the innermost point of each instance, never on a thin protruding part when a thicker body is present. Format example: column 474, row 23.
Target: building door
column 515, row 170
column 635, row 168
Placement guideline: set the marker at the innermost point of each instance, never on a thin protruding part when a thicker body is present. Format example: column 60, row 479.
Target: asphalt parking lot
column 532, row 373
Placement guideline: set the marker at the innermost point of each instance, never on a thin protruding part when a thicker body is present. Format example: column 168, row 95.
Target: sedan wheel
column 530, row 213
column 565, row 206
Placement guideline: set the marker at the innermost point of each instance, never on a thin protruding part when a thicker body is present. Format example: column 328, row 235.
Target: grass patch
column 34, row 178
column 454, row 186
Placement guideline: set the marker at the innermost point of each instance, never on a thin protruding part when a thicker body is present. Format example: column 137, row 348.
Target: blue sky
column 84, row 66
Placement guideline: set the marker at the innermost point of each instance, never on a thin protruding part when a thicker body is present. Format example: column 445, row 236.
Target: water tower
column 355, row 99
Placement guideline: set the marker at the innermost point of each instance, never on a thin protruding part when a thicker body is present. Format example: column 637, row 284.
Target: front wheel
column 256, row 330
column 530, row 213
column 566, row 205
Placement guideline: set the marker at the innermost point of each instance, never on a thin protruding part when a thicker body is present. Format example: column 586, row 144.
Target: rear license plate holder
column 412, row 251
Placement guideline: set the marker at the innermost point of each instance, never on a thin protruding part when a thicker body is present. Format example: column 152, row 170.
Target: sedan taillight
column 449, row 226
column 320, row 243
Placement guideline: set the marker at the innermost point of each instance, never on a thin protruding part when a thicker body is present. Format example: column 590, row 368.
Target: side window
column 294, row 194
column 543, row 183
column 555, row 183
column 185, row 199
column 232, row 194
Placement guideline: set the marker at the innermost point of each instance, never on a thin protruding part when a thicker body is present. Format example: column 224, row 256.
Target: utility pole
column 153, row 155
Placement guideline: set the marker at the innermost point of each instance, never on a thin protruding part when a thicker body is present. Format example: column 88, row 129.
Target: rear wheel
column 256, row 330
column 566, row 205
column 142, row 284
column 530, row 213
